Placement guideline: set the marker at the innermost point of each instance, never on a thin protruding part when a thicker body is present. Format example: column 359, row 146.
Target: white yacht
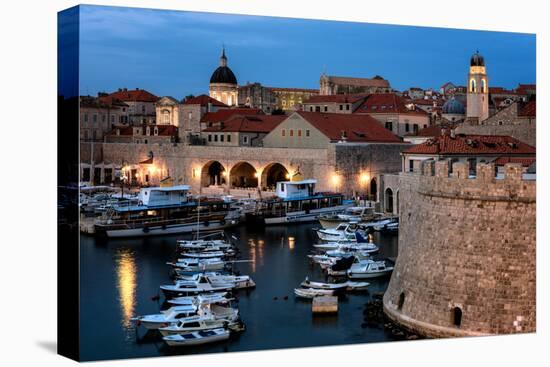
column 369, row 269
column 240, row 281
column 173, row 314
column 344, row 232
column 203, row 285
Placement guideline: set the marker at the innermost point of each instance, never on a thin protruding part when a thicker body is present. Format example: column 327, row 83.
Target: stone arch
column 243, row 175
column 273, row 173
column 213, row 173
column 457, row 316
column 388, row 200
column 373, row 189
column 472, row 85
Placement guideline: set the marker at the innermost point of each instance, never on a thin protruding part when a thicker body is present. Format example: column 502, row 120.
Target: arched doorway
column 273, row 173
column 243, row 175
column 388, row 199
column 373, row 189
column 457, row 316
column 213, row 174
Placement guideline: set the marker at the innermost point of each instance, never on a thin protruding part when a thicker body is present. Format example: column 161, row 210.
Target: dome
column 477, row 60
column 453, row 106
column 223, row 75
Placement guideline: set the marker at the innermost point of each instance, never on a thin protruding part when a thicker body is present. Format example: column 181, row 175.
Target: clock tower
column 477, row 96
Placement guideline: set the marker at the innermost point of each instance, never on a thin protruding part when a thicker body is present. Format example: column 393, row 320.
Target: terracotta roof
column 251, row 124
column 227, row 113
column 358, row 128
column 434, row 130
column 386, row 103
column 528, row 110
column 500, row 90
column 376, row 81
column 204, row 100
column 136, row 95
column 335, row 98
column 472, row 144
column 525, row 161
column 524, row 88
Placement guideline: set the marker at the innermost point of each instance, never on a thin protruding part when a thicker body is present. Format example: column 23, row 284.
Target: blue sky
column 174, row 52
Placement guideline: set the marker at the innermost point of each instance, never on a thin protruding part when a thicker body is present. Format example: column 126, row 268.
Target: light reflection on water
column 126, row 270
column 256, row 252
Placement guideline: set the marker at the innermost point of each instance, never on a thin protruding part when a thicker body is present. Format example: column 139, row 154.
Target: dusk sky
column 174, row 53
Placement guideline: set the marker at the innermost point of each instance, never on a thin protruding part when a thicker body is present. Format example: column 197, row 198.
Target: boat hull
column 295, row 217
column 170, row 229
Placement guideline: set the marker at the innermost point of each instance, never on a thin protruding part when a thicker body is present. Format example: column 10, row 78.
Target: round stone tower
column 223, row 83
column 466, row 263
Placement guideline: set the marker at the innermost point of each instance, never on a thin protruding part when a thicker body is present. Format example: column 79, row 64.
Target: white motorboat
column 369, row 269
column 343, row 232
column 204, row 285
column 202, row 255
column 357, row 286
column 203, row 244
column 197, row 337
column 320, row 285
column 193, row 265
column 378, row 224
column 171, row 315
column 194, row 323
column 352, row 214
column 240, row 281
column 312, row 292
column 201, row 299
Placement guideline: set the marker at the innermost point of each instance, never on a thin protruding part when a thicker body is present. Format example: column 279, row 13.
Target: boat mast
column 198, row 216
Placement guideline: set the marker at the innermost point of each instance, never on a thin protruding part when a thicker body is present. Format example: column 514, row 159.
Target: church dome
column 453, row 106
column 477, row 60
column 223, row 74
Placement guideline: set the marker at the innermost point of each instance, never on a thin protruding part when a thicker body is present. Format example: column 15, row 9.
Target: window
column 307, row 133
column 222, row 137
column 209, row 137
column 472, row 85
column 143, row 108
column 94, row 118
column 500, row 122
column 407, row 127
column 283, row 132
column 103, row 118
column 415, row 128
column 216, row 137
column 347, row 107
column 166, row 116
column 483, row 85
column 229, row 138
column 341, row 107
column 326, row 108
column 299, row 132
column 317, row 108
column 245, row 139
column 156, row 131
column 85, row 117
column 411, row 165
column 94, row 134
column 112, row 119
column 310, row 108
column 425, row 126
column 389, row 125
column 291, row 132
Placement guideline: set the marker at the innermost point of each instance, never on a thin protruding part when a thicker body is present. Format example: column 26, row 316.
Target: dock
column 324, row 304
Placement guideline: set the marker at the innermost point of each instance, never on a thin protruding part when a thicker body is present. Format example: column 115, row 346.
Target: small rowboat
column 311, row 292
column 197, row 337
column 320, row 285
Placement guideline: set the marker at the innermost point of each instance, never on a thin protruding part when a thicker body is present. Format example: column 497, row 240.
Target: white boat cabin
column 173, row 195
column 295, row 189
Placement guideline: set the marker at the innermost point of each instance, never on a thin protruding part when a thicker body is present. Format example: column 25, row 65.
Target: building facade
column 329, row 85
column 99, row 115
column 141, row 105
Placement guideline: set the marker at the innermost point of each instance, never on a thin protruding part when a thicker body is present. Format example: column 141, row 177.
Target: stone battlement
column 438, row 179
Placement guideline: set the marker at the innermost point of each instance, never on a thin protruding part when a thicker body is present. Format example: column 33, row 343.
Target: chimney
column 120, row 89
column 125, row 89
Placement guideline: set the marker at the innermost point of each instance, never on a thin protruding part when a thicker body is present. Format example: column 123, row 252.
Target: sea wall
column 466, row 263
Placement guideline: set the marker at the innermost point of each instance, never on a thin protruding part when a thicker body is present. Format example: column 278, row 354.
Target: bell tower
column 477, row 96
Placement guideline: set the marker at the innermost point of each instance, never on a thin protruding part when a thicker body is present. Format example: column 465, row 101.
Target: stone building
column 223, row 83
column 346, row 85
column 290, row 99
column 467, row 251
column 99, row 115
column 241, row 130
column 336, row 103
column 518, row 120
column 141, row 105
column 168, row 111
column 392, row 113
column 255, row 95
column 147, row 134
column 192, row 112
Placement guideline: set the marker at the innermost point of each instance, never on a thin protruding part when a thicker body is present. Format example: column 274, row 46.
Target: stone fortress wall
column 467, row 249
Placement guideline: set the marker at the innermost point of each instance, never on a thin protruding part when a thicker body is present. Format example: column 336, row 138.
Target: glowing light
column 291, row 243
column 225, row 173
column 364, row 178
column 256, row 174
column 335, row 179
column 287, row 176
column 126, row 284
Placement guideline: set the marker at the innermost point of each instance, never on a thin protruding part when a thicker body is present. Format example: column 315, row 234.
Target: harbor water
column 120, row 279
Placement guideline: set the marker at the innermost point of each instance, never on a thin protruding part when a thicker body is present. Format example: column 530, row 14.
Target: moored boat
column 312, row 292
column 369, row 269
column 197, row 337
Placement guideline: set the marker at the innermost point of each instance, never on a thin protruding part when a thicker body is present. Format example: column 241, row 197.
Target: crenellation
column 460, row 170
column 513, row 172
column 485, row 172
column 442, row 168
